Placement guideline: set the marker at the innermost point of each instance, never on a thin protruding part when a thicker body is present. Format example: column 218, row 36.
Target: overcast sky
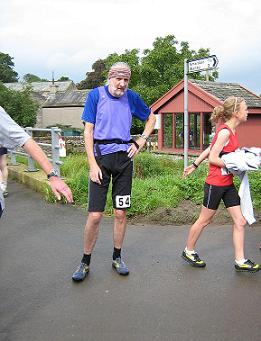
column 68, row 36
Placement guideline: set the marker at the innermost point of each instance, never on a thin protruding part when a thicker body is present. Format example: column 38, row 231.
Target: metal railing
column 54, row 146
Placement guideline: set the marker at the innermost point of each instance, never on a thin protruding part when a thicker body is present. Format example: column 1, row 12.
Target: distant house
column 43, row 89
column 64, row 109
column 60, row 102
column 203, row 96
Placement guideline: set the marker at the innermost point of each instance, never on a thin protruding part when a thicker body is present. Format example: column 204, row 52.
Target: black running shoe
column 248, row 266
column 193, row 259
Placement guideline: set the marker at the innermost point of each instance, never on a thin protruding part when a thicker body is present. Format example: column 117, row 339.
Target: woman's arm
column 220, row 143
column 190, row 169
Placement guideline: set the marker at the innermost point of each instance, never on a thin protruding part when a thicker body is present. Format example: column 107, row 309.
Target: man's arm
column 58, row 186
column 12, row 135
column 148, row 129
column 95, row 171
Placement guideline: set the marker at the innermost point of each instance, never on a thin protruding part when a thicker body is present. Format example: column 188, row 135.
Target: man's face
column 117, row 86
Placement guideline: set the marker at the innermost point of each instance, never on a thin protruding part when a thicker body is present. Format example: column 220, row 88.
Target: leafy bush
column 157, row 183
column 19, row 105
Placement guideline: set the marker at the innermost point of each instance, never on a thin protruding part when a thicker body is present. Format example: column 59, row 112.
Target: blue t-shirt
column 112, row 116
column 137, row 107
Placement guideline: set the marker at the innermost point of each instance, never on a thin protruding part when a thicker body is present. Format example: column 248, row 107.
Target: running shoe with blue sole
column 120, row 267
column 81, row 272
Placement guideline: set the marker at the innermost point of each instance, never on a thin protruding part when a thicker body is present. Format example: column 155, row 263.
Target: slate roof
column 223, row 90
column 41, row 86
column 74, row 98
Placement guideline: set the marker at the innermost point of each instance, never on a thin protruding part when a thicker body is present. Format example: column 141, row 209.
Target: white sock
column 189, row 252
column 240, row 261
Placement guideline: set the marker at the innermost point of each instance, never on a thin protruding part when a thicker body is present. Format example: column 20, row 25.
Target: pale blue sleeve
column 11, row 134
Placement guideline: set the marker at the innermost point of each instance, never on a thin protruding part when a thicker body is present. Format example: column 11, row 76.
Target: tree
column 7, row 74
column 155, row 72
column 63, row 79
column 29, row 78
column 163, row 66
column 19, row 105
column 94, row 78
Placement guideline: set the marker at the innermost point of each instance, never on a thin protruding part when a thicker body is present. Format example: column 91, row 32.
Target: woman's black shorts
column 118, row 167
column 214, row 194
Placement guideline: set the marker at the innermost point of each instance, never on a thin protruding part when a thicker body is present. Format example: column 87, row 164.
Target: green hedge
column 157, row 182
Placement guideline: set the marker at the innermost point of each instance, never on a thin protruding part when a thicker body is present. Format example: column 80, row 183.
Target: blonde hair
column 224, row 112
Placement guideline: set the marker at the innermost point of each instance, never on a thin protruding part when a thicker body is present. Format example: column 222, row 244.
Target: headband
column 119, row 72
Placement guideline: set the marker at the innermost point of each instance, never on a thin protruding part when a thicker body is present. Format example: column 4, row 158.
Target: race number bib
column 123, row 201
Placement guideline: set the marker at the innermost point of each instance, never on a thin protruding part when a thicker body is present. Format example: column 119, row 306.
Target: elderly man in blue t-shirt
column 107, row 117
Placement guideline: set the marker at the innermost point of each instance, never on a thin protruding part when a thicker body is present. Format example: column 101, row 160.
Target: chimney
column 53, row 87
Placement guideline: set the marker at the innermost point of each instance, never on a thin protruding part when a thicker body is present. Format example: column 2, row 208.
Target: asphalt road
column 163, row 298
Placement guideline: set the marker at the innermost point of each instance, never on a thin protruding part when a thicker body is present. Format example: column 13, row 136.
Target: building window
column 179, row 130
column 167, row 130
column 194, row 131
column 207, row 130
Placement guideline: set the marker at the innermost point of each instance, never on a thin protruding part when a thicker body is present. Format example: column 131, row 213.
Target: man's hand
column 96, row 174
column 132, row 151
column 59, row 187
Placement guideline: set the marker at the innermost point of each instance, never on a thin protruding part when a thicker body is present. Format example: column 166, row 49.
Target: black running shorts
column 118, row 167
column 214, row 194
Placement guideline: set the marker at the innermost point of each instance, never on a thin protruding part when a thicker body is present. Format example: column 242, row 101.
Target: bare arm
column 190, row 169
column 58, row 186
column 148, row 129
column 95, row 171
column 221, row 141
column 32, row 148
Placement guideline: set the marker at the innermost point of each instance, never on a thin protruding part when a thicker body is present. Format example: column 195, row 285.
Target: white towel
column 238, row 163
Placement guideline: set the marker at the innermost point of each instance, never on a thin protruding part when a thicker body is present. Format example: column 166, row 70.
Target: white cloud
column 69, row 36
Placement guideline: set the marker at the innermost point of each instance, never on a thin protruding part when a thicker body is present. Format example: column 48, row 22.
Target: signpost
column 202, row 64
column 190, row 66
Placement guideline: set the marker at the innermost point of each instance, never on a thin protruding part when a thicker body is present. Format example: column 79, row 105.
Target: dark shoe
column 193, row 259
column 81, row 272
column 248, row 266
column 5, row 194
column 120, row 267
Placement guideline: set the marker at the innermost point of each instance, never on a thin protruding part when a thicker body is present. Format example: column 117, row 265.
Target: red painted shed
column 203, row 96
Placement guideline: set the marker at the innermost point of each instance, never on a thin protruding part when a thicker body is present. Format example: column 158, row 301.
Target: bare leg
column 119, row 227
column 2, row 187
column 196, row 229
column 3, row 169
column 238, row 231
column 91, row 231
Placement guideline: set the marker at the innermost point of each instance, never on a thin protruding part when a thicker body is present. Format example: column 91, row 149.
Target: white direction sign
column 207, row 63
